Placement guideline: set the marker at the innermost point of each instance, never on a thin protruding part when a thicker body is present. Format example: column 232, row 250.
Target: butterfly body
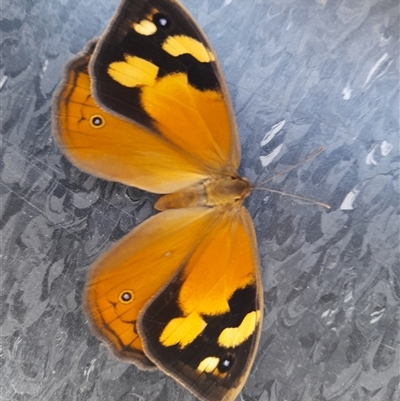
column 225, row 192
column 146, row 105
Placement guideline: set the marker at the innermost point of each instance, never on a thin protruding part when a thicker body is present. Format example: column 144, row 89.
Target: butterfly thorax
column 227, row 191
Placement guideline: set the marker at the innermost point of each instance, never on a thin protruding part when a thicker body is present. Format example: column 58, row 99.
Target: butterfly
column 146, row 105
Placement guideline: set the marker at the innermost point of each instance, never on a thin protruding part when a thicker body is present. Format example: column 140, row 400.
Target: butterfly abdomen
column 187, row 197
column 212, row 192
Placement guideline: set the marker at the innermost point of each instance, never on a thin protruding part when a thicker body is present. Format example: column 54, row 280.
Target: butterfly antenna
column 296, row 197
column 316, row 153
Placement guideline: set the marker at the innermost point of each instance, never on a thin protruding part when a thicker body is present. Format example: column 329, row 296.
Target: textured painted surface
column 330, row 71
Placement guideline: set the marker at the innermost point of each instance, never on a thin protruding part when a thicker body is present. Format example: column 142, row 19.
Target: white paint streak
column 346, row 92
column 386, row 148
column 272, row 132
column 46, row 64
column 375, row 319
column 227, row 2
column 265, row 160
column 326, row 313
column 376, row 316
column 375, row 68
column 348, row 297
column 347, row 204
column 330, row 315
column 3, row 81
column 87, row 371
column 370, row 157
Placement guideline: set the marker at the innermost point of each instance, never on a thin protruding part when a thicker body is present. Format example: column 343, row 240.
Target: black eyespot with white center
column 226, row 363
column 126, row 296
column 161, row 21
column 97, row 121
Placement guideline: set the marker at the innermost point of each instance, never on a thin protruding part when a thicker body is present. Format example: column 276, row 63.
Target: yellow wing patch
column 234, row 336
column 182, row 331
column 134, row 71
column 180, row 44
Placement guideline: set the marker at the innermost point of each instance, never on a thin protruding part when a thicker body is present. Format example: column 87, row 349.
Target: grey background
column 330, row 70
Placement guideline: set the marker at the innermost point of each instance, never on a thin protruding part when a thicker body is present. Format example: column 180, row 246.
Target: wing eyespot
column 161, row 21
column 226, row 363
column 97, row 121
column 126, row 296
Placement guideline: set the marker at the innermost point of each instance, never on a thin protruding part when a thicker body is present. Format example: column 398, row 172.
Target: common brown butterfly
column 146, row 105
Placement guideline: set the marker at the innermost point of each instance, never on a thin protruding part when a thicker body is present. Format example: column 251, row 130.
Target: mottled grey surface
column 330, row 70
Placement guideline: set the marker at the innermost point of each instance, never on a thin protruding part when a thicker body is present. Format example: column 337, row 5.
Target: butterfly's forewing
column 203, row 328
column 154, row 54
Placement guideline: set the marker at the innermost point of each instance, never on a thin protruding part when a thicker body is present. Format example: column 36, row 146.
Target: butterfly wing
column 154, row 68
column 209, row 262
column 124, row 279
column 109, row 147
column 153, row 65
column 203, row 327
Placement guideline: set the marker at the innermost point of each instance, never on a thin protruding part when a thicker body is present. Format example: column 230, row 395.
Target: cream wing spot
column 234, row 336
column 208, row 365
column 179, row 44
column 134, row 71
column 145, row 27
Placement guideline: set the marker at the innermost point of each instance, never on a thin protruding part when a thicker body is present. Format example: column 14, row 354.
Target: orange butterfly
column 147, row 106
